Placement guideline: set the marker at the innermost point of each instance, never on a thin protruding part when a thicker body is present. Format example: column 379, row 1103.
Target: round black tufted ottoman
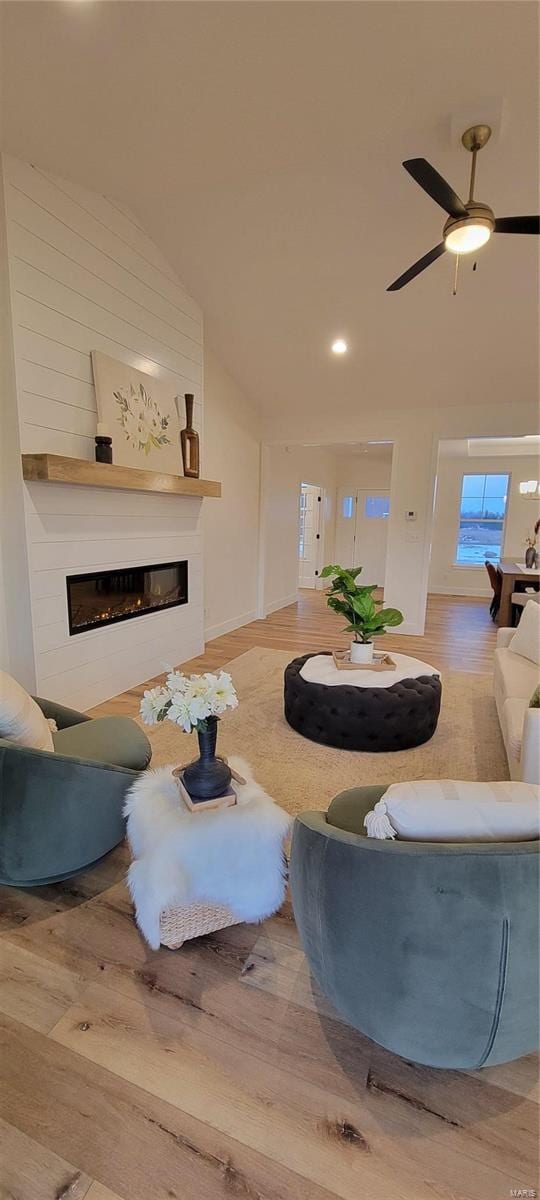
column 362, row 718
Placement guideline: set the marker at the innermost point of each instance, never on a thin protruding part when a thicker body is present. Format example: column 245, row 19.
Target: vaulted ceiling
column 261, row 146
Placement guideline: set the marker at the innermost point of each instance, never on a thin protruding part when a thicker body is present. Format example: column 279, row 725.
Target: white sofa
column 514, row 681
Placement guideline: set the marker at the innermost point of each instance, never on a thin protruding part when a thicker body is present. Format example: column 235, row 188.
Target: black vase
column 103, row 449
column 530, row 556
column 207, row 777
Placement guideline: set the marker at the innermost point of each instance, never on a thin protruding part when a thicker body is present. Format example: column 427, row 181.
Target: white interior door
column 361, row 531
column 345, row 527
column 309, row 535
column 372, row 511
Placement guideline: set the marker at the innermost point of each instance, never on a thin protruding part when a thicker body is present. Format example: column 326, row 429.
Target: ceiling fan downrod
column 474, row 139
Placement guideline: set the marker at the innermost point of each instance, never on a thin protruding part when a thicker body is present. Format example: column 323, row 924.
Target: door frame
column 319, row 583
column 412, row 485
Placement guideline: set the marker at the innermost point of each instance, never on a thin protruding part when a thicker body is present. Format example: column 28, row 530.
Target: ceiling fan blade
column 517, row 225
column 435, row 186
column 417, row 267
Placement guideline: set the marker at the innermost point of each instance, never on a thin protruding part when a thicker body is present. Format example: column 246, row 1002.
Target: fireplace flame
column 83, row 594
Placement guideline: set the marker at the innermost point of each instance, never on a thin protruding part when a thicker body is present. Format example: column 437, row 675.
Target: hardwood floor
column 459, row 635
column 219, row 1071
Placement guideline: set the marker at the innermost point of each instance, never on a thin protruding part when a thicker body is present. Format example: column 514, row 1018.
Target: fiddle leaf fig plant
column 366, row 620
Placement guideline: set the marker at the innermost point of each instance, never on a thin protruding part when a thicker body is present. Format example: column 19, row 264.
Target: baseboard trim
column 476, row 593
column 215, row 631
column 409, row 628
column 283, row 603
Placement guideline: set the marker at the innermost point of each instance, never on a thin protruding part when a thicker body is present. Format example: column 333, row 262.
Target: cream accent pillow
column 526, row 640
column 21, row 719
column 444, row 810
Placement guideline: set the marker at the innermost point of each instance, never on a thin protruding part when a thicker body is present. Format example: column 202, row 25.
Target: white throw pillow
column 526, row 640
column 445, row 810
column 21, row 719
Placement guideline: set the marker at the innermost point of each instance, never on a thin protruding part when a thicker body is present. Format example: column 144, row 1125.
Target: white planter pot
column 361, row 652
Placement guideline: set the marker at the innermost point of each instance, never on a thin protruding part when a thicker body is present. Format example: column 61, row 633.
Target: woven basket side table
column 180, row 924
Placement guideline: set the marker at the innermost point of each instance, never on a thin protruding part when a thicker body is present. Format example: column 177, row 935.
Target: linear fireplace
column 105, row 597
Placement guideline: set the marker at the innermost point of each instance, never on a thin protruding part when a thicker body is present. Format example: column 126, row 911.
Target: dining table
column 515, row 577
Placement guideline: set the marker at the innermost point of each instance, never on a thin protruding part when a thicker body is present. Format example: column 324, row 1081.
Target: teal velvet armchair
column 430, row 949
column 61, row 812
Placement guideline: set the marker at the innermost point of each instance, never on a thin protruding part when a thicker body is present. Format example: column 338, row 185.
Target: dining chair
column 496, row 583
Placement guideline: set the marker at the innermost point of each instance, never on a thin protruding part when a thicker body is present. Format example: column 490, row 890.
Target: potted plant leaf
column 366, row 617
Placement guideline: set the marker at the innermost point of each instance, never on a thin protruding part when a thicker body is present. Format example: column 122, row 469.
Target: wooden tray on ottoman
column 381, row 661
column 178, row 925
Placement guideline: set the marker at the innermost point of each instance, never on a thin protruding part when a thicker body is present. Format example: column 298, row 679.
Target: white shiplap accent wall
column 84, row 276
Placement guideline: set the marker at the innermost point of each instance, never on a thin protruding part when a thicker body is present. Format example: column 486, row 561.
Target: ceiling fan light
column 466, row 237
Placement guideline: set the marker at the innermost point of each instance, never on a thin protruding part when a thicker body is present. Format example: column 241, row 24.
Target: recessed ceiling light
column 339, row 346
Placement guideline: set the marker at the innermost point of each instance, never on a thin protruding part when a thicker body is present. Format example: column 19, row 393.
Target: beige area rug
column 300, row 774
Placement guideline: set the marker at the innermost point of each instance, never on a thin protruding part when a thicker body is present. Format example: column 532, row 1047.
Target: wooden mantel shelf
column 56, row 468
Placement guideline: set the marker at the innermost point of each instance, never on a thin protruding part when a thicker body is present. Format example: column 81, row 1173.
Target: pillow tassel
column 377, row 822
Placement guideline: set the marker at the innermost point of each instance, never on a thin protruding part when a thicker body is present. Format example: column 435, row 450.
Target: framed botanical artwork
column 139, row 413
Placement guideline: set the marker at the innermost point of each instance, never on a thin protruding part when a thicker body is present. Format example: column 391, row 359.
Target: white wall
column 232, row 450
column 444, row 575
column 16, row 643
column 415, row 435
column 84, row 276
column 284, row 469
column 363, row 471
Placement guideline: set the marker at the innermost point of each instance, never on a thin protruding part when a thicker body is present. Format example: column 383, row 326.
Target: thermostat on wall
column 411, row 514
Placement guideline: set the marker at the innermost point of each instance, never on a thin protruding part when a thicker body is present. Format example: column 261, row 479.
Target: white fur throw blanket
column 231, row 856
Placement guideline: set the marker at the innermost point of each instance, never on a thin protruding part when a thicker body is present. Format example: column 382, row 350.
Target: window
column 481, row 519
column 347, row 507
column 377, row 506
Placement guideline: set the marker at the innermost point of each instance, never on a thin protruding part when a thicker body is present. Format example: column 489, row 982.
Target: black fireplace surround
column 101, row 598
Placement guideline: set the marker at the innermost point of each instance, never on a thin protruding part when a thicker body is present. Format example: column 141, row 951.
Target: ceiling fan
column 469, row 225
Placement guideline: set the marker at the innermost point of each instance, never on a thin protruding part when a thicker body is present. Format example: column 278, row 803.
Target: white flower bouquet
column 195, row 702
column 189, row 700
